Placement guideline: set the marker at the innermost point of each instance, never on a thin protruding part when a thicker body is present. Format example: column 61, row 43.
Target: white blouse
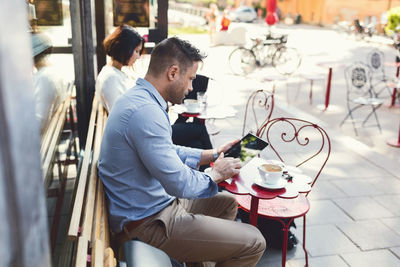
column 110, row 84
column 50, row 92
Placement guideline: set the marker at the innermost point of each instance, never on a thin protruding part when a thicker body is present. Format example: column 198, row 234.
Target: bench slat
column 97, row 253
column 81, row 252
column 79, row 196
column 91, row 192
column 104, row 205
column 54, row 141
column 46, row 139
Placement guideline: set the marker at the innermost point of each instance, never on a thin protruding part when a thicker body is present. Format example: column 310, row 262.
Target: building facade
column 329, row 11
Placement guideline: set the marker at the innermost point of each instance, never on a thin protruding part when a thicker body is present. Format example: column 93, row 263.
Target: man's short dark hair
column 173, row 51
column 122, row 42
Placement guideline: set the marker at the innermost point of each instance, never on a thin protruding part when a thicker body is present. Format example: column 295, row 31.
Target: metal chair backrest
column 261, row 103
column 299, row 143
column 358, row 81
column 376, row 58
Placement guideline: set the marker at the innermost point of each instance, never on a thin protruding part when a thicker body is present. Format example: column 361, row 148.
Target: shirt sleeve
column 190, row 156
column 165, row 161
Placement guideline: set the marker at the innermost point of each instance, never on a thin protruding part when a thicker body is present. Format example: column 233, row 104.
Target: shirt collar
column 151, row 89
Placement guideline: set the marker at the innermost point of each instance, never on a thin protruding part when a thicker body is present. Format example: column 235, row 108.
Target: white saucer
column 280, row 184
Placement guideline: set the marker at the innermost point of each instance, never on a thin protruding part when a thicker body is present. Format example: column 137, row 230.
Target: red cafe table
column 286, row 203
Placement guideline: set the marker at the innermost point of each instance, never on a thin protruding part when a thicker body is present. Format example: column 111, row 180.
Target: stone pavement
column 354, row 217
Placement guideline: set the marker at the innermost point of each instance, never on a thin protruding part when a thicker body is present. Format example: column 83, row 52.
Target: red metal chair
column 301, row 144
column 261, row 103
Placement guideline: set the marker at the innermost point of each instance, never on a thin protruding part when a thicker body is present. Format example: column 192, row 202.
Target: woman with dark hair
column 124, row 46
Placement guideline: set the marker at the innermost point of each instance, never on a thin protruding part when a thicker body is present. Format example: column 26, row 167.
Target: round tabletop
column 246, row 183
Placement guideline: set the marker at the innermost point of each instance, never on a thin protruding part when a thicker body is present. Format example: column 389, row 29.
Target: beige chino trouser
column 203, row 230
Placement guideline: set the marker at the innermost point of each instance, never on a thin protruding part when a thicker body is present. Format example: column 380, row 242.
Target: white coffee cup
column 191, row 105
column 270, row 173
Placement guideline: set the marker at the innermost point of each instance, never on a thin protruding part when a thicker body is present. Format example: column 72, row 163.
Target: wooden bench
column 89, row 221
column 88, row 227
column 50, row 154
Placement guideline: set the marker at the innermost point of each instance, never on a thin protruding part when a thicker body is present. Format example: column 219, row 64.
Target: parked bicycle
column 271, row 50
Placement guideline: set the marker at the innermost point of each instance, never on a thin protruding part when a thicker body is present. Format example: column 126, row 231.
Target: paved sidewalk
column 354, row 215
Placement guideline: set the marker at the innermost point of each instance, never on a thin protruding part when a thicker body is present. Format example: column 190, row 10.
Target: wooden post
column 84, row 57
column 23, row 229
column 100, row 34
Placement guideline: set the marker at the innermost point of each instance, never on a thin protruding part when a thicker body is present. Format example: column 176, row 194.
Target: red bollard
column 392, row 104
column 328, row 89
column 394, row 142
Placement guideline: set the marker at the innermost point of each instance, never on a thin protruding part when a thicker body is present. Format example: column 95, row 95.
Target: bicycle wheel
column 242, row 61
column 286, row 60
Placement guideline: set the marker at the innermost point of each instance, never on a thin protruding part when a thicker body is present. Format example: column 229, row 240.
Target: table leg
column 285, row 241
column 328, row 89
column 394, row 142
column 394, row 94
column 254, row 211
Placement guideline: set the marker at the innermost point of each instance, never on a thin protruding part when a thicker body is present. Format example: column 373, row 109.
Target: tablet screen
column 247, row 148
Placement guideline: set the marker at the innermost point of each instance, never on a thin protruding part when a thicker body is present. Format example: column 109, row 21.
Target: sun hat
column 40, row 43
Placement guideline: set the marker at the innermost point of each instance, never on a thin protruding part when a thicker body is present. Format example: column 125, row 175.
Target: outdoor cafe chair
column 259, row 108
column 300, row 145
column 304, row 147
column 360, row 94
column 379, row 81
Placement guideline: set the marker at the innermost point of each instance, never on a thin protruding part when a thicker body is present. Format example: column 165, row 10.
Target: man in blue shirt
column 153, row 188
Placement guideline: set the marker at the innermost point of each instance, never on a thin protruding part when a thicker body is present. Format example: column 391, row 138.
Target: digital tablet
column 247, row 148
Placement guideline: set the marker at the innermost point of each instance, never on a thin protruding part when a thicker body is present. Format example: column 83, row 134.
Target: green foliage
column 393, row 21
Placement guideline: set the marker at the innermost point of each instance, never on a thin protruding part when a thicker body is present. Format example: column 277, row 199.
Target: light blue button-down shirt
column 141, row 169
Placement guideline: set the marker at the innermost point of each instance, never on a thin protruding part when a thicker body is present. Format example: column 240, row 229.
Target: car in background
column 243, row 14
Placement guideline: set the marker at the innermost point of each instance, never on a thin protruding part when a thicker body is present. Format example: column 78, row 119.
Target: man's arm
column 151, row 138
column 210, row 155
column 223, row 168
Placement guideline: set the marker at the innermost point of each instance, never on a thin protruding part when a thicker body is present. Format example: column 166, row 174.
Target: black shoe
column 292, row 241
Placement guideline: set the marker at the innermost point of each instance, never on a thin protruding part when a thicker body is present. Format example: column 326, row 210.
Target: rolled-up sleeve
column 165, row 161
column 189, row 156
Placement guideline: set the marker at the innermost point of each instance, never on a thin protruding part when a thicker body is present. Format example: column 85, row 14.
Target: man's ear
column 173, row 72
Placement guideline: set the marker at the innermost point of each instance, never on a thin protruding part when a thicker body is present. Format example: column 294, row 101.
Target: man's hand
column 225, row 168
column 225, row 147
